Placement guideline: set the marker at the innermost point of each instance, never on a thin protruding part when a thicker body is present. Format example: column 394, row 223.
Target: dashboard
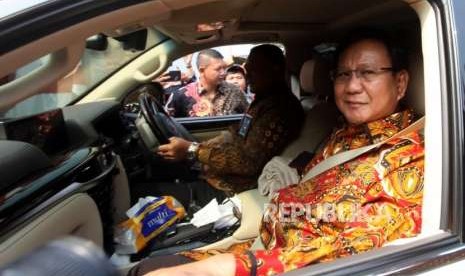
column 46, row 130
column 49, row 156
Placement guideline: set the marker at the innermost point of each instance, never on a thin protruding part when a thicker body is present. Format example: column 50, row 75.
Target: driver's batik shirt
column 351, row 208
column 233, row 161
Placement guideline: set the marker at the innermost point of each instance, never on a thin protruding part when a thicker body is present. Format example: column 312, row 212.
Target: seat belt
column 345, row 156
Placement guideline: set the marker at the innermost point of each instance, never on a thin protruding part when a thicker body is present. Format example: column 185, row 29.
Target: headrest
column 314, row 77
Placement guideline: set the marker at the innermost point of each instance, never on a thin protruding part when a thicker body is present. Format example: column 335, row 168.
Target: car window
column 99, row 60
column 184, row 83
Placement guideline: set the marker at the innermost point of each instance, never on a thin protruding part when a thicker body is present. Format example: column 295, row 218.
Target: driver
column 232, row 162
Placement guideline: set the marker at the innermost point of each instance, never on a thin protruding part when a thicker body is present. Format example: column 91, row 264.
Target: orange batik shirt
column 351, row 208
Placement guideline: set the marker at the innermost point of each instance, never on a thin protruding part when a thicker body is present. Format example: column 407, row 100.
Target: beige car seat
column 315, row 83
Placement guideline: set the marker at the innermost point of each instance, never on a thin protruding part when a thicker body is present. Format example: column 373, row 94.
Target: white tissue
column 222, row 215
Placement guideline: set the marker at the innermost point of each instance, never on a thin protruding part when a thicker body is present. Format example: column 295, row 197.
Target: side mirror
column 97, row 42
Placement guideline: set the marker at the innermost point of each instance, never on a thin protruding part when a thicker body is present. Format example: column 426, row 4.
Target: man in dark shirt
column 210, row 95
column 232, row 162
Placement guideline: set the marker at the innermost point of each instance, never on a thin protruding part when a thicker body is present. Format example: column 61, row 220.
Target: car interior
column 81, row 177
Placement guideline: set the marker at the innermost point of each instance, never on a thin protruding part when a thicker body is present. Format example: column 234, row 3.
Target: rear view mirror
column 97, row 42
column 134, row 41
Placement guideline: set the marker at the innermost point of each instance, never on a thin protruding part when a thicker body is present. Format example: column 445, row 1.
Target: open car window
column 182, row 84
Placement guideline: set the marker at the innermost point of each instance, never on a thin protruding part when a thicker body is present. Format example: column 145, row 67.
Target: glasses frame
column 358, row 73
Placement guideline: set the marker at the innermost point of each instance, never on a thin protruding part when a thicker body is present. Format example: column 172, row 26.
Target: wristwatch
column 192, row 151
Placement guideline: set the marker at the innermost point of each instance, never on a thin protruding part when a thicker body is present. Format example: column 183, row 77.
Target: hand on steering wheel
column 155, row 125
column 176, row 150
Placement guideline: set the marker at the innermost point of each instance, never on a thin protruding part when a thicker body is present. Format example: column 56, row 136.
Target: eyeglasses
column 366, row 75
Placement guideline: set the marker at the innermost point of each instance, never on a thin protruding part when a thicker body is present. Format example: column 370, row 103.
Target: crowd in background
column 187, row 81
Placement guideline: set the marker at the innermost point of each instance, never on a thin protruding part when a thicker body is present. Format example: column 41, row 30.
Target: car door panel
column 77, row 215
column 72, row 196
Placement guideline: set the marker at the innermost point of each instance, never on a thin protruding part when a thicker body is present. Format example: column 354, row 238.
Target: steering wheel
column 155, row 125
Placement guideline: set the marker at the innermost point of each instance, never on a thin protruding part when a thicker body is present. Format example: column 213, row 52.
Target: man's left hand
column 176, row 150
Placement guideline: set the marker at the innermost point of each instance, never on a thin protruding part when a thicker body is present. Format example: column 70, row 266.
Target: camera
column 174, row 75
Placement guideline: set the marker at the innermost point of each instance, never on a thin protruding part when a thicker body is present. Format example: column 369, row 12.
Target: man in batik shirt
column 210, row 95
column 232, row 162
column 356, row 206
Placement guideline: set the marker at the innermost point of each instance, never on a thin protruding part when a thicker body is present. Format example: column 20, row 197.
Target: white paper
column 222, row 215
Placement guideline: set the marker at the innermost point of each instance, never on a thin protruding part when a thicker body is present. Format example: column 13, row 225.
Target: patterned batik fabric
column 351, row 208
column 233, row 162
column 190, row 101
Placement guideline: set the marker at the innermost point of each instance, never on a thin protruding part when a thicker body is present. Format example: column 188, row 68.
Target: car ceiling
column 252, row 18
column 303, row 23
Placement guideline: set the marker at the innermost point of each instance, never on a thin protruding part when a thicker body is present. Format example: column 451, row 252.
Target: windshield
column 102, row 57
